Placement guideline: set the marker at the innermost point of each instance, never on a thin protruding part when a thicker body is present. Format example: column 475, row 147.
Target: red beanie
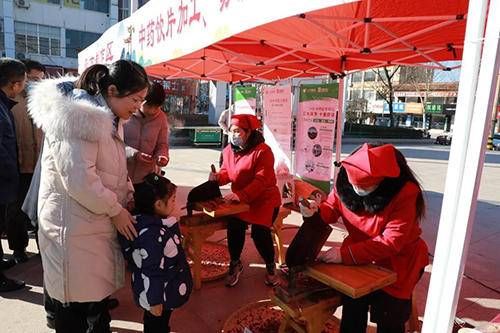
column 245, row 121
column 370, row 165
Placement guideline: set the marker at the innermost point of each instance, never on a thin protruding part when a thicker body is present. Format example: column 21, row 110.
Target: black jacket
column 9, row 167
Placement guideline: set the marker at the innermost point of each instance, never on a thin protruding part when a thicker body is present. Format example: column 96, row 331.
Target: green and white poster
column 318, row 108
column 245, row 99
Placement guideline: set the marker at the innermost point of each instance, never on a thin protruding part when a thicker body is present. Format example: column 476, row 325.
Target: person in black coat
column 12, row 83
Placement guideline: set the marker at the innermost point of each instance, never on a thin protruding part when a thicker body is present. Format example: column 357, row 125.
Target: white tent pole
column 464, row 167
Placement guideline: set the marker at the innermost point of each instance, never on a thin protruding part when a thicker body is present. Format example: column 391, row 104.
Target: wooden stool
column 276, row 232
column 308, row 314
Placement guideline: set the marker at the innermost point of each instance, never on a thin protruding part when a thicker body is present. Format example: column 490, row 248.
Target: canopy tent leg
column 475, row 97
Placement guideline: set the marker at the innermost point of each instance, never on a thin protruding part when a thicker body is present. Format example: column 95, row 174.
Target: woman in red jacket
column 248, row 164
column 381, row 203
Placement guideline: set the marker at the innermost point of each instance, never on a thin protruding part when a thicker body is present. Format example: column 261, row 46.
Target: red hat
column 370, row 165
column 245, row 121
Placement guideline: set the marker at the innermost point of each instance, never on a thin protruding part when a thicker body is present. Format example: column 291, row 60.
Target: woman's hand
column 213, row 176
column 124, row 223
column 156, row 310
column 308, row 210
column 331, row 256
column 162, row 161
column 232, row 197
column 145, row 158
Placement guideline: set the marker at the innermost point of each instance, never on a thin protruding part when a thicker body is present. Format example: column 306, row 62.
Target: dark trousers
column 388, row 312
column 89, row 317
column 153, row 324
column 261, row 235
column 13, row 221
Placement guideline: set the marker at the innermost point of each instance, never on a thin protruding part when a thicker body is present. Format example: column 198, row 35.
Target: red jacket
column 389, row 238
column 252, row 178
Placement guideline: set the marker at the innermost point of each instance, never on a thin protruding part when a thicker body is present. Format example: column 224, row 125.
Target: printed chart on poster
column 245, row 100
column 277, row 107
column 318, row 107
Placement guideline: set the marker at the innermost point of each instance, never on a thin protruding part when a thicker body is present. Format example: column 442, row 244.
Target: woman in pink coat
column 249, row 167
column 381, row 204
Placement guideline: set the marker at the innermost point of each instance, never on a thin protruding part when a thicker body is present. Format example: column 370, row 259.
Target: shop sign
column 433, row 108
column 396, row 107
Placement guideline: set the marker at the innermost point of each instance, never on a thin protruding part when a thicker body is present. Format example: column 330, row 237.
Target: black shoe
column 113, row 303
column 7, row 284
column 6, row 264
column 51, row 322
column 20, row 257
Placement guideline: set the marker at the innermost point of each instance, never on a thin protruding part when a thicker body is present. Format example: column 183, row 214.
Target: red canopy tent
column 334, row 40
column 316, row 37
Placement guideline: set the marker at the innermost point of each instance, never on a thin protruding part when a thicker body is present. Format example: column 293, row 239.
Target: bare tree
column 420, row 79
column 384, row 87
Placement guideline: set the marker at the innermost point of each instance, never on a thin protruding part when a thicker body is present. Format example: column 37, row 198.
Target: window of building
column 356, row 94
column 96, row 5
column 56, row 2
column 356, row 77
column 77, row 41
column 123, row 9
column 2, row 45
column 369, row 76
column 37, row 39
column 142, row 3
column 369, row 95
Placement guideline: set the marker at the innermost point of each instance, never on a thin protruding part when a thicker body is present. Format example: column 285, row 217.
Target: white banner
column 164, row 30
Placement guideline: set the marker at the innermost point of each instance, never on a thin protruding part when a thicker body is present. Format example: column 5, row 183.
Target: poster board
column 316, row 119
column 277, row 112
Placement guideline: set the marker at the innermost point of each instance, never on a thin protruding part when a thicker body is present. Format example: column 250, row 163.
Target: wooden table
column 309, row 315
column 198, row 227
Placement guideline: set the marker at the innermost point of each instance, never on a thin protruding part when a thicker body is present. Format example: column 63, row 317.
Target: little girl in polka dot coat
column 161, row 278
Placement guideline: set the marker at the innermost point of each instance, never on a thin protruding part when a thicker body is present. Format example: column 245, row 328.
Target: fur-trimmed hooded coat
column 383, row 229
column 83, row 183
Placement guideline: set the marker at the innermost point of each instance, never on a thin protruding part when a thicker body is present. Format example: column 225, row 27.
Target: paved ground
column 208, row 308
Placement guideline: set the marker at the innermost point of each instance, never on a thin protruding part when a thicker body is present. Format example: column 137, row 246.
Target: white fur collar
column 65, row 117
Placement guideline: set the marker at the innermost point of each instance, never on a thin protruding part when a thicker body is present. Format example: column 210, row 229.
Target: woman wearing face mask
column 381, row 204
column 248, row 164
column 84, row 188
column 146, row 136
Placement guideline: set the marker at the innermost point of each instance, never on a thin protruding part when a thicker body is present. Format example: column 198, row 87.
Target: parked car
column 496, row 141
column 444, row 139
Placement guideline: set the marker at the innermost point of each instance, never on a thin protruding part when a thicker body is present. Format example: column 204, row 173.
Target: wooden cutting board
column 223, row 209
column 353, row 281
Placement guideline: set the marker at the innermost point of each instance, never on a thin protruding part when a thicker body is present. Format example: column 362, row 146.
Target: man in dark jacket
column 12, row 82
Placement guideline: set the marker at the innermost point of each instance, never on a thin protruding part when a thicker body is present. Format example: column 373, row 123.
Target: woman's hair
column 406, row 173
column 156, row 95
column 126, row 75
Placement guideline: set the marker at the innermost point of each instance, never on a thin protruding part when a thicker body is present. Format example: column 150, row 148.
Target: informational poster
column 318, row 107
column 245, row 100
column 277, row 107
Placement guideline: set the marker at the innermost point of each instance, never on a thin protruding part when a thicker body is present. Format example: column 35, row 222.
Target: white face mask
column 363, row 192
column 237, row 140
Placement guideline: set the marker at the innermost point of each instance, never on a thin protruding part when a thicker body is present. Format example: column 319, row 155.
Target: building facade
column 54, row 31
column 422, row 98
